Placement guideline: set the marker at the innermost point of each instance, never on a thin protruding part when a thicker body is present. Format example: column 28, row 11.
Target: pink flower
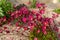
column 45, row 32
column 16, row 12
column 24, row 10
column 38, row 16
column 51, row 21
column 17, row 24
column 25, row 28
column 45, row 23
column 38, row 31
column 1, row 30
column 43, row 28
column 55, row 15
column 4, row 18
column 56, row 29
column 31, row 28
column 24, row 19
column 42, row 11
column 31, row 25
column 12, row 14
column 20, row 13
column 30, row 17
column 33, row 12
column 16, row 15
column 35, row 38
column 38, row 5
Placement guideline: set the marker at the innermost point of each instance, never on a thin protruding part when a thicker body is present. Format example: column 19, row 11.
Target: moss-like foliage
column 5, row 6
column 57, row 10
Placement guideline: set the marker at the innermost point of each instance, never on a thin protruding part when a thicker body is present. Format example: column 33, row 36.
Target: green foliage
column 33, row 4
column 1, row 12
column 57, row 10
column 6, row 6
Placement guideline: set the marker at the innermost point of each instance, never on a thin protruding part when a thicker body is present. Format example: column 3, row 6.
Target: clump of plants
column 43, row 31
column 5, row 7
column 21, row 16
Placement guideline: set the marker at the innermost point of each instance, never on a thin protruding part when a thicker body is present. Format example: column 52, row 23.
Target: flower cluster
column 23, row 16
column 43, row 31
column 39, row 26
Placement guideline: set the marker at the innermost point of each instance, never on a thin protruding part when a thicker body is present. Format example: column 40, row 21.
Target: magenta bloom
column 12, row 14
column 44, row 28
column 1, row 30
column 35, row 38
column 38, row 16
column 16, row 11
column 55, row 15
column 38, row 31
column 16, row 15
column 38, row 5
column 31, row 28
column 24, row 10
column 31, row 25
column 24, row 19
column 45, row 32
column 30, row 17
column 45, row 23
column 4, row 18
column 19, row 13
column 17, row 24
column 42, row 11
column 25, row 28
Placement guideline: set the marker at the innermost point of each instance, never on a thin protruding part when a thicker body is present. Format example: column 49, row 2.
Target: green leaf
column 57, row 10
column 1, row 12
column 6, row 6
column 33, row 4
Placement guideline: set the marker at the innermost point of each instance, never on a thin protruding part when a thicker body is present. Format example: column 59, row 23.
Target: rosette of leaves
column 57, row 10
column 6, row 6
